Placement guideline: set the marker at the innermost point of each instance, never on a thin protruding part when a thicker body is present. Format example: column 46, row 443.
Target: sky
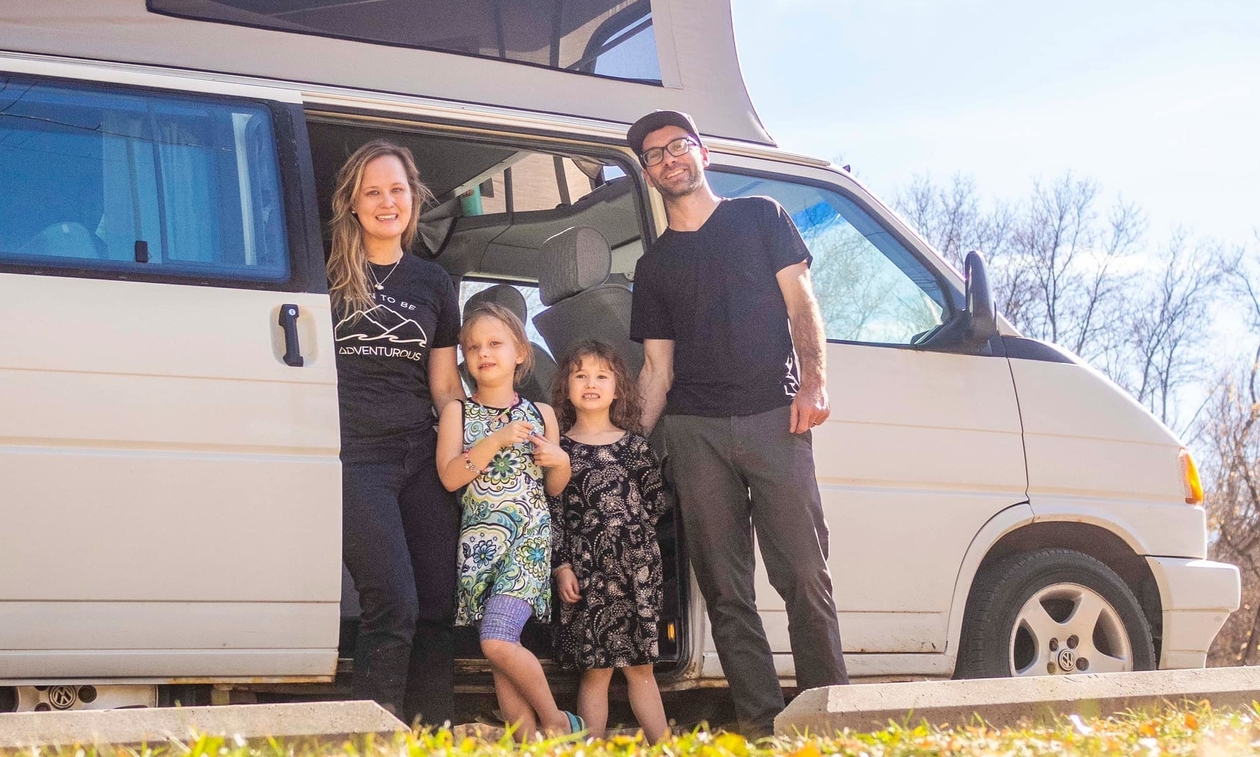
column 1157, row 101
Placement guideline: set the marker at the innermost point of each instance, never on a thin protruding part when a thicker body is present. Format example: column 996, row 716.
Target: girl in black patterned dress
column 607, row 562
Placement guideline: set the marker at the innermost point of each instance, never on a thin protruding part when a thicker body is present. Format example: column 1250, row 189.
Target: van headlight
column 1190, row 478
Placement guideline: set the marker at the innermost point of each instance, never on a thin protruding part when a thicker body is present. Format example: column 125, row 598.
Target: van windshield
column 611, row 38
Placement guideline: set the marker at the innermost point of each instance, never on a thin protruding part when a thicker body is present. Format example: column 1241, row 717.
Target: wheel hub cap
column 1067, row 660
column 1068, row 628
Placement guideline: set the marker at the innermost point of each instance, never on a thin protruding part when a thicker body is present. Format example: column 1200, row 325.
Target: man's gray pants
column 734, row 476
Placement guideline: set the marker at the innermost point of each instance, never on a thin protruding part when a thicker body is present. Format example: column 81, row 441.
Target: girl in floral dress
column 608, row 563
column 503, row 451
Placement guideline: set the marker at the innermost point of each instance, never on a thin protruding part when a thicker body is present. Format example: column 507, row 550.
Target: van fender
column 1116, row 519
column 1001, row 524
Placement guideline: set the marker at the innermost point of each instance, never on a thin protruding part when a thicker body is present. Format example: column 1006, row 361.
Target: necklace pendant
column 379, row 287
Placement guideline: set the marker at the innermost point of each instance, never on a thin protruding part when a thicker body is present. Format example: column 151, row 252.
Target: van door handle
column 288, row 322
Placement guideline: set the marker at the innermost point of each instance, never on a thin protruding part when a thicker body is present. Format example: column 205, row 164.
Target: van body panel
column 700, row 69
column 138, row 76
column 1001, row 524
column 166, row 665
column 1201, row 595
column 1181, row 525
column 863, row 632
column 123, row 626
column 894, row 667
column 169, row 483
column 1096, row 456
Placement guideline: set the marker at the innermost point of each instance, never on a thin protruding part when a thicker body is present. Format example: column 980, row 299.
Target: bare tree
column 1167, row 348
column 1071, row 255
column 1232, row 428
column 953, row 218
column 1054, row 261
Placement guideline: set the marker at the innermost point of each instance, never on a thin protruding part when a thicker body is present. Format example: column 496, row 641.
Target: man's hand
column 810, row 408
column 567, row 585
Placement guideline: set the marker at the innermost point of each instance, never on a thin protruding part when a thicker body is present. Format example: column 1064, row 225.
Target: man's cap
column 659, row 119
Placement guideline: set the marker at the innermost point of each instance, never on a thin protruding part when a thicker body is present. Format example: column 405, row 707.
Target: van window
column 133, row 183
column 611, row 38
column 869, row 286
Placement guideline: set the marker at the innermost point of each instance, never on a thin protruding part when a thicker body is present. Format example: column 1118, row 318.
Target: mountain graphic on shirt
column 380, row 324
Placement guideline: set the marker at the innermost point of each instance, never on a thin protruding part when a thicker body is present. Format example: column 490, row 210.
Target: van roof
column 695, row 43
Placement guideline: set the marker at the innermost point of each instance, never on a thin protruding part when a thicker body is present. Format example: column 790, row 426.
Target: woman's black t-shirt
column 383, row 353
column 713, row 291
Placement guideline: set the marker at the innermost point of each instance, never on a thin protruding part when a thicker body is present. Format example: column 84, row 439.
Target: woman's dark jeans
column 400, row 530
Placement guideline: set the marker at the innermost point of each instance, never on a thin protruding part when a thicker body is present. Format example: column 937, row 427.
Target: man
column 724, row 307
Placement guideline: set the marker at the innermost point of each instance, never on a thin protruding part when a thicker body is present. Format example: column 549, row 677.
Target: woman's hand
column 547, row 453
column 513, row 433
column 567, row 585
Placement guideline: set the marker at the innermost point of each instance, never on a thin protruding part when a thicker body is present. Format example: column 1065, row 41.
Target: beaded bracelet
column 468, row 463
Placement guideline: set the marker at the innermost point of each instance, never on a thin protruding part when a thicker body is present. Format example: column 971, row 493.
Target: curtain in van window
column 87, row 172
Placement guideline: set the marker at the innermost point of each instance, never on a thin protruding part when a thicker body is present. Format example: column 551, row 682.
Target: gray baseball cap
column 658, row 119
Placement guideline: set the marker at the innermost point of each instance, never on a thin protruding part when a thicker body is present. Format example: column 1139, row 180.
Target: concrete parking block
column 1011, row 701
column 329, row 720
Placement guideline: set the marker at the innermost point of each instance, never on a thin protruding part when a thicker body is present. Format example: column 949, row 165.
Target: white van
column 169, row 479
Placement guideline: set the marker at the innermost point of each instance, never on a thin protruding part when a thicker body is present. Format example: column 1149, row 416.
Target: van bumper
column 1197, row 596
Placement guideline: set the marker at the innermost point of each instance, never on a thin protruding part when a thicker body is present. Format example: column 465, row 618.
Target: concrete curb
column 1011, row 701
column 327, row 720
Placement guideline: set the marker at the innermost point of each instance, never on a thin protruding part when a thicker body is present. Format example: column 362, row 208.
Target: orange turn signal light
column 1190, row 478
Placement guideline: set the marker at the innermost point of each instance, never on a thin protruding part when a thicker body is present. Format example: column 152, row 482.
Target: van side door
column 921, row 447
column 169, row 480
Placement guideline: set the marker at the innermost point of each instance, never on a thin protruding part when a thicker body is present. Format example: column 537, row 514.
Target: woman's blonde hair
column 348, row 271
column 514, row 327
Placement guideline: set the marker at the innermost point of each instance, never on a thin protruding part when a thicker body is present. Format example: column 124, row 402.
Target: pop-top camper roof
column 611, row 60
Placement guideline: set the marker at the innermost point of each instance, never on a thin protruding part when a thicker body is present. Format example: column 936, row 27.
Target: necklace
column 380, row 283
column 503, row 414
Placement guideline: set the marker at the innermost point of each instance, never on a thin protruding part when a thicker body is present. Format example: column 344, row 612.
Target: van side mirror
column 970, row 330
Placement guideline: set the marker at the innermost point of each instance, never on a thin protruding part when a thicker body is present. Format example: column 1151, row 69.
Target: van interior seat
column 582, row 303
column 536, row 387
column 68, row 239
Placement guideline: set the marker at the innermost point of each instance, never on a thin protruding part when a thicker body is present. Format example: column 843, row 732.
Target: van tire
column 1008, row 633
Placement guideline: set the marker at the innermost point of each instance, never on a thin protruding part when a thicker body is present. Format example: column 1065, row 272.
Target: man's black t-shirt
column 713, row 291
column 383, row 353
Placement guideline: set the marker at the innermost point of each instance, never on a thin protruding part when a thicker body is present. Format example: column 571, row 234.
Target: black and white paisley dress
column 604, row 526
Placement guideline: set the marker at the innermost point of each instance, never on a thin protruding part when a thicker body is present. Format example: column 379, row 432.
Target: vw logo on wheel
column 1067, row 660
column 62, row 697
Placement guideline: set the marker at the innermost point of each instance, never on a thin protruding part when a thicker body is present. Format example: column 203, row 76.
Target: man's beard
column 678, row 191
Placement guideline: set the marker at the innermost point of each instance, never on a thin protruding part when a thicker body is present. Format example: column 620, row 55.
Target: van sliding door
column 169, row 481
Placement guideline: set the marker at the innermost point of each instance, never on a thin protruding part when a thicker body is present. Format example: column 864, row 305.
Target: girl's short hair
column 514, row 327
column 626, row 410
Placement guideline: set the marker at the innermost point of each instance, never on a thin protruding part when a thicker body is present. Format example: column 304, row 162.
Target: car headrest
column 500, row 294
column 573, row 261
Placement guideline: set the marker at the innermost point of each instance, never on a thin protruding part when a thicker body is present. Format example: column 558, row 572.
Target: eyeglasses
column 677, row 148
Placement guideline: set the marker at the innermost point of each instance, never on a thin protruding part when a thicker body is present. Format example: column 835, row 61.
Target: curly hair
column 626, row 410
column 514, row 327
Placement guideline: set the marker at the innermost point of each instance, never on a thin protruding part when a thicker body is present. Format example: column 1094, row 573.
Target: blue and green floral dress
column 505, row 533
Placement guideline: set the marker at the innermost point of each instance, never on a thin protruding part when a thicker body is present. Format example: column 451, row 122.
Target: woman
column 397, row 325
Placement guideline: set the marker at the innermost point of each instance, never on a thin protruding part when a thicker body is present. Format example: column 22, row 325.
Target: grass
column 1189, row 730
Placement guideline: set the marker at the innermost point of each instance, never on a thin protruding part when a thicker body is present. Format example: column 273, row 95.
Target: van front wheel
column 1052, row 612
